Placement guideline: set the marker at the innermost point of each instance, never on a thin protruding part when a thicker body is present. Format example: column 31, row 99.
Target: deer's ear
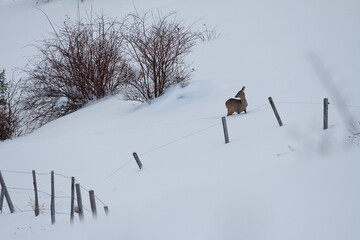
column 242, row 89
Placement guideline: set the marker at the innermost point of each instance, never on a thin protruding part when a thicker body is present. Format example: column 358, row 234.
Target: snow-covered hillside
column 291, row 182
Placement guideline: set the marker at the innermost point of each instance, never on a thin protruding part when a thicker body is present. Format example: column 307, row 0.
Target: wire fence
column 216, row 124
column 254, row 109
column 317, row 103
column 159, row 147
column 43, row 209
column 27, row 191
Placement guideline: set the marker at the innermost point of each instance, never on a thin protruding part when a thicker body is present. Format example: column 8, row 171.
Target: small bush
column 3, row 87
column 42, row 206
column 10, row 108
column 157, row 45
column 80, row 62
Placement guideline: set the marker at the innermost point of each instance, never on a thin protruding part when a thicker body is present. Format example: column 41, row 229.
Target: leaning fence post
column 226, row 134
column 36, row 194
column 326, row 104
column 275, row 111
column 79, row 202
column 52, row 205
column 93, row 203
column 72, row 199
column 6, row 194
column 2, row 196
column 137, row 159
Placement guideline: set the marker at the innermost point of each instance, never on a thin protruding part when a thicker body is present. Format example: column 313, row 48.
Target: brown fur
column 237, row 105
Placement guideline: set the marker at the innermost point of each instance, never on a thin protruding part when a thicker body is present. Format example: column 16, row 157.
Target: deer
column 237, row 105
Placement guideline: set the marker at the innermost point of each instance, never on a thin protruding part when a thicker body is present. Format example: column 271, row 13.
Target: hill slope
column 292, row 182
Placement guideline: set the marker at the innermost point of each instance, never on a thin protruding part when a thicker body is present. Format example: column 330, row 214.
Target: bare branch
column 82, row 61
column 158, row 45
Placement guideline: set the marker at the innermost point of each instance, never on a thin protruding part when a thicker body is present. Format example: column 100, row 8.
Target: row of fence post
column 74, row 187
column 325, row 118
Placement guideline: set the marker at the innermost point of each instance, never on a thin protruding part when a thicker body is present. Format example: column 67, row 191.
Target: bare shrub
column 82, row 61
column 11, row 124
column 157, row 45
column 209, row 34
column 42, row 206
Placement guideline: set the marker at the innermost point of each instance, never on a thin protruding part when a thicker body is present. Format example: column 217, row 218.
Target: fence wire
column 16, row 189
column 10, row 189
column 177, row 140
column 318, row 103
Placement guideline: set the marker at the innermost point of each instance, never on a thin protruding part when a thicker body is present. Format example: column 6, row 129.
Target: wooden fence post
column 226, row 133
column 106, row 209
column 326, row 104
column 79, row 202
column 2, row 196
column 6, row 194
column 137, row 159
column 52, row 204
column 36, row 194
column 93, row 203
column 275, row 111
column 72, row 200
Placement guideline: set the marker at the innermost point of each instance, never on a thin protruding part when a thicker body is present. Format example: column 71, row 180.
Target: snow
column 62, row 101
column 292, row 182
